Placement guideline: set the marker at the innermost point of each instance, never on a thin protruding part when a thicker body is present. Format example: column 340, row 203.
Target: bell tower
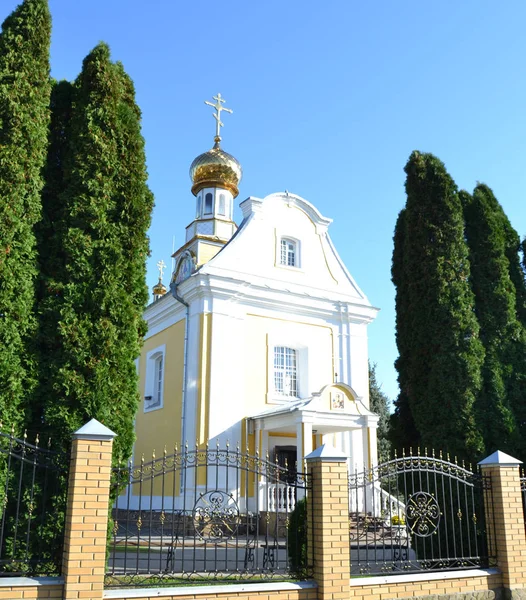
column 215, row 176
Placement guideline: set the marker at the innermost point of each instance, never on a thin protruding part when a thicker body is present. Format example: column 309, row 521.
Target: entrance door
column 286, row 457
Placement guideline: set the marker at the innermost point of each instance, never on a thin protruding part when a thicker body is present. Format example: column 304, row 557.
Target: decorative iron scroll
column 216, row 516
column 422, row 514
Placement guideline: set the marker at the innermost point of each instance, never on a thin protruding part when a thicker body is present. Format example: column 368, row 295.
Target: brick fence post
column 506, row 531
column 328, row 515
column 84, row 561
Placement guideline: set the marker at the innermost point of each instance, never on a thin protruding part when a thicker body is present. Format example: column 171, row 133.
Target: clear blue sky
column 329, row 100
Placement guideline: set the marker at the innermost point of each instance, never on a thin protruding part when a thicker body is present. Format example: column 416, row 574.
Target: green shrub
column 297, row 539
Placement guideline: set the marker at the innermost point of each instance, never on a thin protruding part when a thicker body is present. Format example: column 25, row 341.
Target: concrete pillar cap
column 327, row 453
column 93, row 430
column 500, row 459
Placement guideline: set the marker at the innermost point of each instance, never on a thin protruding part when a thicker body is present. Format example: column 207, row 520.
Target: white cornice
column 163, row 313
column 261, row 295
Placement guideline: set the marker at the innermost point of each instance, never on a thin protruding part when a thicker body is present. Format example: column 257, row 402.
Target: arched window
column 222, row 205
column 208, row 203
column 154, row 384
column 285, row 371
column 198, row 206
column 288, row 253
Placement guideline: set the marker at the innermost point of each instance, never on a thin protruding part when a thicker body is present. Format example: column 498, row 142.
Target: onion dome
column 159, row 290
column 215, row 168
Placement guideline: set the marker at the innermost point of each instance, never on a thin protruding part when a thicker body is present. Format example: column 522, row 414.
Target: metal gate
column 418, row 513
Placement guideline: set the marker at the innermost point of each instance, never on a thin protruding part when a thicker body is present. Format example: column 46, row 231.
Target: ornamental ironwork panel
column 207, row 513
column 417, row 513
column 33, row 486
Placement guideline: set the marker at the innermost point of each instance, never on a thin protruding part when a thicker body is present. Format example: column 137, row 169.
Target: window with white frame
column 288, row 253
column 285, row 371
column 154, row 384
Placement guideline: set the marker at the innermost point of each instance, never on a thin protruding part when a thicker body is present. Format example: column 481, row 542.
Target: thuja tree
column 92, row 291
column 440, row 351
column 379, row 404
column 494, row 263
column 402, row 431
column 24, row 117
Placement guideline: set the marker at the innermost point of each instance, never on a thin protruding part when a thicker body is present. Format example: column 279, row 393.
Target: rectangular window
column 285, row 371
column 158, row 395
column 288, row 253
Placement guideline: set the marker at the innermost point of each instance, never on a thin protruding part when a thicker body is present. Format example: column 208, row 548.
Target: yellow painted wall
column 206, row 251
column 159, row 428
column 260, row 331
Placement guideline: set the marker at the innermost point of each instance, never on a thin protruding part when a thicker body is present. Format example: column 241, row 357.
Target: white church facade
column 261, row 339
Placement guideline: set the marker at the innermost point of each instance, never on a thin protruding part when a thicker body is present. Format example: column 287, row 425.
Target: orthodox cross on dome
column 217, row 115
column 161, row 266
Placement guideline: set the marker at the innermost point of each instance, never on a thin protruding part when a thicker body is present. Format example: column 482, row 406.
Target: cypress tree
column 494, row 265
column 440, row 350
column 93, row 288
column 24, row 118
column 379, row 404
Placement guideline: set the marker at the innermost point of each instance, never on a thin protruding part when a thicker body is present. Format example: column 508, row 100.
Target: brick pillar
column 84, row 561
column 506, row 528
column 328, row 522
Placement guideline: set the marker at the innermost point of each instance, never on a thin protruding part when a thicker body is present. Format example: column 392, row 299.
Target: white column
column 263, row 483
column 299, row 446
column 307, row 445
column 372, row 430
column 257, row 435
column 357, row 457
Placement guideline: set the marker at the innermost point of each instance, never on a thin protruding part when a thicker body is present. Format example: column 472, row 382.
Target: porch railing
column 281, row 497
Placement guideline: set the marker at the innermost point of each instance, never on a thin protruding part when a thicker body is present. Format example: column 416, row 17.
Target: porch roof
column 286, row 416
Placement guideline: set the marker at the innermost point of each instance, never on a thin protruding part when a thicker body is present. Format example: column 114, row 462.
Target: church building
column 261, row 338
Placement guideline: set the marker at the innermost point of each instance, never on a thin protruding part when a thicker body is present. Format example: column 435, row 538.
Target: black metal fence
column 33, row 484
column 207, row 514
column 418, row 513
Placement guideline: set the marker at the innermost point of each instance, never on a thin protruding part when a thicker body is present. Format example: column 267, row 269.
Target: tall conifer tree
column 93, row 288
column 379, row 404
column 24, row 117
column 402, row 431
column 440, row 350
column 494, row 265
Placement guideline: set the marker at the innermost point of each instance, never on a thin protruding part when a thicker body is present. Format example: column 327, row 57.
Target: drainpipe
column 175, row 294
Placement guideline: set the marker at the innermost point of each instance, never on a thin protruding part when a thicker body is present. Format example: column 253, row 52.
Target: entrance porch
column 291, row 430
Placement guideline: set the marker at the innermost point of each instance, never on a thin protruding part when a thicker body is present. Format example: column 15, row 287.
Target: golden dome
column 215, row 168
column 159, row 289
